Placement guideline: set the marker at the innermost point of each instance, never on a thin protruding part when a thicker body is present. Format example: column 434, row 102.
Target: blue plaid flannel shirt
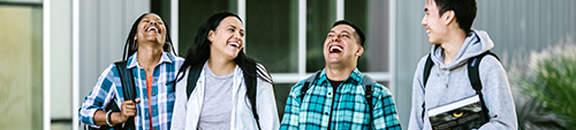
column 109, row 86
column 350, row 110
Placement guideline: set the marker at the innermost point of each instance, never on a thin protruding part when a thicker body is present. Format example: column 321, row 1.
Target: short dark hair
column 465, row 11
column 358, row 30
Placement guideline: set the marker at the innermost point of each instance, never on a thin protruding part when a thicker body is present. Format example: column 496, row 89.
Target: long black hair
column 199, row 52
column 131, row 46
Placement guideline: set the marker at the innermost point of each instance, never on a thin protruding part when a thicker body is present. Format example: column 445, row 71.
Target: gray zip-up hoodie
column 449, row 83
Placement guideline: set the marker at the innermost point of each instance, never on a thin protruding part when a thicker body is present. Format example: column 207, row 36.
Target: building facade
column 54, row 50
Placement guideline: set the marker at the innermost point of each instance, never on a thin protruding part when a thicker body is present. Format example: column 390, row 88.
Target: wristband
column 109, row 119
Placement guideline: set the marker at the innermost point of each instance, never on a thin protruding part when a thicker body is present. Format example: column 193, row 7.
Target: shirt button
column 154, row 111
column 153, row 94
column 154, row 128
column 155, row 79
column 326, row 113
column 329, row 94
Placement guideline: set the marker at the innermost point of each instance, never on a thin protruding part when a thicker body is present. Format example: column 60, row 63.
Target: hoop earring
column 135, row 47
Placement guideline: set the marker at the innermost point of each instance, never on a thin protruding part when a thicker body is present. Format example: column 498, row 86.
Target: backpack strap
column 127, row 80
column 474, row 75
column 128, row 89
column 193, row 75
column 368, row 86
column 427, row 69
column 307, row 83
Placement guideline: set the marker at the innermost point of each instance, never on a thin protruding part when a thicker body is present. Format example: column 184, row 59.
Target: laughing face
column 228, row 38
column 151, row 29
column 341, row 46
column 433, row 22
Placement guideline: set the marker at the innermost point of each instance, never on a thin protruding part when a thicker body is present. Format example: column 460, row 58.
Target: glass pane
column 372, row 18
column 162, row 8
column 320, row 15
column 21, row 67
column 272, row 34
column 191, row 15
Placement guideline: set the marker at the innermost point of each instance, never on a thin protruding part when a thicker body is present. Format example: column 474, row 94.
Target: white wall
column 411, row 45
column 104, row 26
column 61, row 62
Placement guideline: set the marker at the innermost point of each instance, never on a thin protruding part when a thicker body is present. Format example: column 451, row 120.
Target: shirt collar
column 355, row 76
column 133, row 60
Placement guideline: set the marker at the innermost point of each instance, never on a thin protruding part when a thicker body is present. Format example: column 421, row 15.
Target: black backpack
column 129, row 91
column 250, row 80
column 367, row 85
column 473, row 75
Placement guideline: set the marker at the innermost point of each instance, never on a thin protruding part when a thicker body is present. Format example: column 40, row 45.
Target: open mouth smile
column 152, row 28
column 335, row 49
column 234, row 44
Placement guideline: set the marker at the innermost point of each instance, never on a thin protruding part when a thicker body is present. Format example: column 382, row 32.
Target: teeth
column 427, row 31
column 150, row 28
column 234, row 44
column 333, row 48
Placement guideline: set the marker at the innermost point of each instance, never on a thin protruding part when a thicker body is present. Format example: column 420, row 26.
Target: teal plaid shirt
column 350, row 110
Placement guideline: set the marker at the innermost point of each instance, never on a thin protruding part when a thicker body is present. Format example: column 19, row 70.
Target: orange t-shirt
column 149, row 84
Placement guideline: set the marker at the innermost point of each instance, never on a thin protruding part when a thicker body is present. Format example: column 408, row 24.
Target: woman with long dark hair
column 218, row 86
column 150, row 58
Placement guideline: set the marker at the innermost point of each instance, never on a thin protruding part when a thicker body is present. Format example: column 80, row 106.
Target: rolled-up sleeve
column 102, row 93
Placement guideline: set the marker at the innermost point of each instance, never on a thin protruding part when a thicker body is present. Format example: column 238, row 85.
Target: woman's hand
column 128, row 109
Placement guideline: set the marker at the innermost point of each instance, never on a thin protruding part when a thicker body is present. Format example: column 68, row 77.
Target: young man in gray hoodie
column 448, row 26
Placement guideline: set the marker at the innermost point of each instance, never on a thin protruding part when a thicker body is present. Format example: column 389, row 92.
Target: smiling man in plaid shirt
column 336, row 99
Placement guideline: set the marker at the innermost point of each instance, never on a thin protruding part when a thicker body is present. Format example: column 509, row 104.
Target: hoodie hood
column 475, row 44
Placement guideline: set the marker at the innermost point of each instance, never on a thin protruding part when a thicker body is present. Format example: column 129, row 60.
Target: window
column 320, row 15
column 372, row 18
column 21, row 72
column 191, row 15
column 274, row 37
column 272, row 34
column 287, row 36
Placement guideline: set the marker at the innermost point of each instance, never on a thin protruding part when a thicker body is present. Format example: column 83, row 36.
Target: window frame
column 381, row 76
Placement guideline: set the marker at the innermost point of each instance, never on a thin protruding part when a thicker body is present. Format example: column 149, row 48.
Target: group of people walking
column 216, row 86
